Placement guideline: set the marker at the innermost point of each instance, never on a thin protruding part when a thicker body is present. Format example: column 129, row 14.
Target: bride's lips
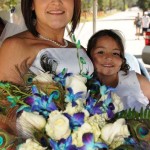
column 56, row 12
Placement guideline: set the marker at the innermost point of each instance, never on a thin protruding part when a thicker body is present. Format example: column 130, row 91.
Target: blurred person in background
column 145, row 23
column 138, row 23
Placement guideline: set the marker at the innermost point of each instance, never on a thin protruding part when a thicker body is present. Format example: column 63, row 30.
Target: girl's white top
column 130, row 91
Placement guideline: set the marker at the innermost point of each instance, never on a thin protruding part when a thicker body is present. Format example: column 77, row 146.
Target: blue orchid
column 61, row 77
column 92, row 107
column 86, row 74
column 100, row 107
column 42, row 103
column 71, row 97
column 25, row 108
column 89, row 144
column 108, row 106
column 105, row 89
column 76, row 120
column 63, row 144
column 35, row 90
column 105, row 106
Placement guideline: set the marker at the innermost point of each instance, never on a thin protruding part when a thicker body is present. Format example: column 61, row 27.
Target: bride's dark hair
column 30, row 16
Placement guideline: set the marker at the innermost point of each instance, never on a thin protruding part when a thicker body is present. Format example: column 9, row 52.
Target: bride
column 42, row 46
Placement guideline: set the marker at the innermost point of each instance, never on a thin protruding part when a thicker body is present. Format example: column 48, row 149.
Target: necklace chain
column 54, row 42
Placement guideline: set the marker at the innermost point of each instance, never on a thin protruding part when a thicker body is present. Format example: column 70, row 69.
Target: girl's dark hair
column 93, row 40
column 30, row 16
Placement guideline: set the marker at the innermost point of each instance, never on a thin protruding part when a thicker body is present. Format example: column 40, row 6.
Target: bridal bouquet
column 66, row 112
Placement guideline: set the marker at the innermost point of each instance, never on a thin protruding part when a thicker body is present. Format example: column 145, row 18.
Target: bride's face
column 53, row 13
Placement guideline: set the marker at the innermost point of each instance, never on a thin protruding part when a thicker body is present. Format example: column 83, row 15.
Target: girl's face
column 106, row 56
column 53, row 13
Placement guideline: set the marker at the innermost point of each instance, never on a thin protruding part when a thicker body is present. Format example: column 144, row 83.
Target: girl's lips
column 107, row 65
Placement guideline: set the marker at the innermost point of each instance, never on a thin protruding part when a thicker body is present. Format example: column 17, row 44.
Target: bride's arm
column 11, row 57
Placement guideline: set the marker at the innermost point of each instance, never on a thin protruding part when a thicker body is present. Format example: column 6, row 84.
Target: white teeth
column 108, row 65
column 56, row 12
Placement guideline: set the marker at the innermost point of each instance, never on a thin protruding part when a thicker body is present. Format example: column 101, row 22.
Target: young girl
column 106, row 50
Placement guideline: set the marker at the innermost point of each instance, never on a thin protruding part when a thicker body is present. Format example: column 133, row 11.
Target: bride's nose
column 56, row 1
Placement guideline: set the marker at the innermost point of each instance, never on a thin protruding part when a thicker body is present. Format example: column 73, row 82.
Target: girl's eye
column 116, row 54
column 100, row 52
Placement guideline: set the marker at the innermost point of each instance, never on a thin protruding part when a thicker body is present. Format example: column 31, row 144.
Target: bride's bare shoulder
column 19, row 46
column 20, row 40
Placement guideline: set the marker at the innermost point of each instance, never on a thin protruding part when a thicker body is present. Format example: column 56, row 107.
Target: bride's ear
column 32, row 6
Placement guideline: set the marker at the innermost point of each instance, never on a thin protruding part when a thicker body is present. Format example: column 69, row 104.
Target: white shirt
column 145, row 21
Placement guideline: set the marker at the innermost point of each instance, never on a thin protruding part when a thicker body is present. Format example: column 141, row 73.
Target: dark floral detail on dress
column 48, row 63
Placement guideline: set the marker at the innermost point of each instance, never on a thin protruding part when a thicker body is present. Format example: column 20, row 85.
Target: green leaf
column 82, row 60
column 64, row 71
column 13, row 100
column 73, row 38
column 4, row 85
column 78, row 44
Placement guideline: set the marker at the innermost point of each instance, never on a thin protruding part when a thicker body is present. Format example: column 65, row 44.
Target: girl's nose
column 108, row 56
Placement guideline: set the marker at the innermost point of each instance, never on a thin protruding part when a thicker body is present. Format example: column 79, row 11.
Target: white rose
column 95, row 127
column 78, row 108
column 117, row 102
column 28, row 121
column 77, row 83
column 44, row 77
column 77, row 134
column 72, row 110
column 85, row 128
column 114, row 130
column 31, row 144
column 57, row 126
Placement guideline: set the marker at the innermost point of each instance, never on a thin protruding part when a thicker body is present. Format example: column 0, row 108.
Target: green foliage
column 86, row 5
column 144, row 114
column 144, row 4
column 105, row 5
column 8, row 4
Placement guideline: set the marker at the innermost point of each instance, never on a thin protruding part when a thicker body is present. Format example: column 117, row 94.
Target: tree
column 144, row 4
column 86, row 5
column 8, row 4
column 100, row 5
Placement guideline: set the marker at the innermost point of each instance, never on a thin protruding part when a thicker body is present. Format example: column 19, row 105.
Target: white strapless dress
column 55, row 60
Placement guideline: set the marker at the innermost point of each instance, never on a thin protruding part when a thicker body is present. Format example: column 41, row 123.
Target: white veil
column 14, row 25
